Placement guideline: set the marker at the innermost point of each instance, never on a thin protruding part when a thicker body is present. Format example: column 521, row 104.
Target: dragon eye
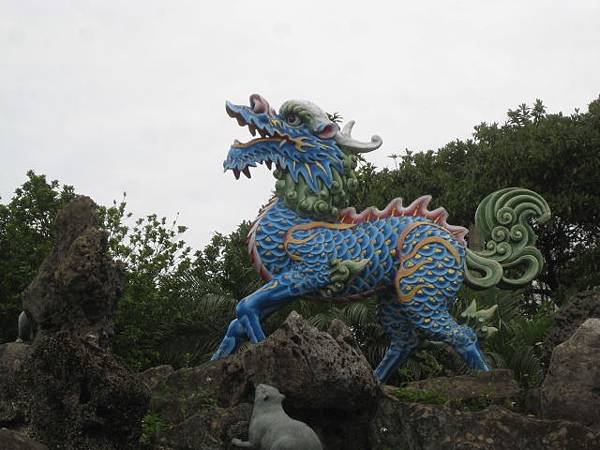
column 293, row 119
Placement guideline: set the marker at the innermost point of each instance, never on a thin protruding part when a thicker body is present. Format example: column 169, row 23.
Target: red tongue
column 259, row 105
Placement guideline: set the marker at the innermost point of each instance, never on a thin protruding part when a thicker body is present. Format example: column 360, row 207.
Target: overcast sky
column 129, row 96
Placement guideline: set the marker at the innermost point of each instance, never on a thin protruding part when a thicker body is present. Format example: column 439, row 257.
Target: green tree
column 152, row 251
column 150, row 248
column 26, row 237
column 193, row 305
column 224, row 263
column 555, row 155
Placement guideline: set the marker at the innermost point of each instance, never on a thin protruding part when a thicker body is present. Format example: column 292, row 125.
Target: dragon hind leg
column 404, row 339
column 427, row 281
column 460, row 337
column 428, row 311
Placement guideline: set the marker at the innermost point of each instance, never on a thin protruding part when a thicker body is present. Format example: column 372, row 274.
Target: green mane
column 325, row 204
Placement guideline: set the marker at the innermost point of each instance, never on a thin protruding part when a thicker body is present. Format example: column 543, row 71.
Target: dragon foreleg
column 281, row 290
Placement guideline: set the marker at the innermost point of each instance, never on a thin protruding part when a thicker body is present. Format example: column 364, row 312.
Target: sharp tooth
column 269, row 163
column 236, row 142
column 246, row 171
column 236, row 173
column 252, row 129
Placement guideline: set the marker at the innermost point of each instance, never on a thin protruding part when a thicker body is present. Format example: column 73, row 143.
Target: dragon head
column 314, row 159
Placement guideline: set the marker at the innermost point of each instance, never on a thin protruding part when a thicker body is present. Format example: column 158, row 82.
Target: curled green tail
column 509, row 259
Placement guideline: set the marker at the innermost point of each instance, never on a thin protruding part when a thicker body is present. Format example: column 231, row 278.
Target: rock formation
column 578, row 309
column 78, row 284
column 571, row 389
column 67, row 390
column 417, row 426
column 327, row 382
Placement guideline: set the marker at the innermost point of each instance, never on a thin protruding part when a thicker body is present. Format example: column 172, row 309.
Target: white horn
column 345, row 140
column 348, row 128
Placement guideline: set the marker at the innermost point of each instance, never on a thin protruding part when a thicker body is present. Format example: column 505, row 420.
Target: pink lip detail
column 259, row 105
column 329, row 131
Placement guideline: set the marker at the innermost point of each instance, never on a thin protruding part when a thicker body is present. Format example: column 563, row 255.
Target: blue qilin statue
column 307, row 242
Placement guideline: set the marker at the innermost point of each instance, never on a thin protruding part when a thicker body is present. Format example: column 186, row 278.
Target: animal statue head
column 314, row 159
column 265, row 394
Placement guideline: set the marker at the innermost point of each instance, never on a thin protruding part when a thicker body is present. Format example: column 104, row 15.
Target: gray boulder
column 571, row 389
column 579, row 308
column 311, row 368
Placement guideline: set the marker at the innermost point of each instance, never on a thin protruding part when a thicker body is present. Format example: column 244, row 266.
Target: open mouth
column 267, row 134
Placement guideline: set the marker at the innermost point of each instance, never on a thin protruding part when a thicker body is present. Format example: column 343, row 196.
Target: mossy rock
column 468, row 392
column 407, row 394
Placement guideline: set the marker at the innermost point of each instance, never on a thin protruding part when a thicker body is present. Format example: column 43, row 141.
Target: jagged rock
column 11, row 440
column 415, row 426
column 312, row 368
column 326, row 380
column 571, row 389
column 78, row 284
column 154, row 375
column 578, row 309
column 205, row 407
column 210, row 428
column 78, row 396
column 12, row 355
column 66, row 389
